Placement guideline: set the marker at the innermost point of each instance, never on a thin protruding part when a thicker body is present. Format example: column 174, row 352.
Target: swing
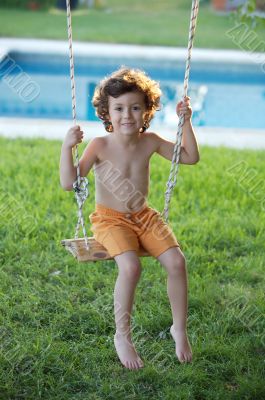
column 87, row 248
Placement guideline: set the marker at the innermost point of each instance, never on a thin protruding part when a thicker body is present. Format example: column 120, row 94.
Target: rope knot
column 170, row 185
column 81, row 190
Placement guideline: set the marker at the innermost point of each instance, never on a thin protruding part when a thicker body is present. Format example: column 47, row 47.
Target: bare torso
column 122, row 173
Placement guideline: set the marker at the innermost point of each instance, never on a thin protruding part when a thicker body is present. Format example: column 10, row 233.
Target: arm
column 189, row 152
column 67, row 168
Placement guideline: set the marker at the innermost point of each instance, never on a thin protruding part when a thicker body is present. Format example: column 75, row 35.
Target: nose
column 127, row 113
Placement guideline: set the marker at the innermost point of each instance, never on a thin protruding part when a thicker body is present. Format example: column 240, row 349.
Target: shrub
column 27, row 3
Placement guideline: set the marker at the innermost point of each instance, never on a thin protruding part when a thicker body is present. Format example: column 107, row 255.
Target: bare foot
column 126, row 352
column 183, row 348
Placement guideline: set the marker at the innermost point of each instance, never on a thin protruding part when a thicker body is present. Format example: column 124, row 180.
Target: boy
column 126, row 101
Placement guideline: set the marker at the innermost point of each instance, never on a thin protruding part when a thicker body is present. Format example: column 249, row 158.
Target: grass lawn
column 123, row 21
column 56, row 315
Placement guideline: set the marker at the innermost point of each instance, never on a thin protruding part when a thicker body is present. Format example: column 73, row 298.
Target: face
column 126, row 112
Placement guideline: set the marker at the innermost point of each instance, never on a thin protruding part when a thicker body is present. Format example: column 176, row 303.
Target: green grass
column 56, row 331
column 143, row 22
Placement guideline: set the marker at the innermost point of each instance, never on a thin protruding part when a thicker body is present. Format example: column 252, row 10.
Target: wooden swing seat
column 96, row 252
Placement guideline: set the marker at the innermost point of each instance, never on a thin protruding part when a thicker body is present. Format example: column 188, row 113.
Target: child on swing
column 126, row 101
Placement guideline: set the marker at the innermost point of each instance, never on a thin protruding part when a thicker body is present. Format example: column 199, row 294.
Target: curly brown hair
column 123, row 81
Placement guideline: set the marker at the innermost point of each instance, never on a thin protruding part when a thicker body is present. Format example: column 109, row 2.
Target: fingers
column 77, row 134
column 185, row 102
column 76, row 128
column 184, row 108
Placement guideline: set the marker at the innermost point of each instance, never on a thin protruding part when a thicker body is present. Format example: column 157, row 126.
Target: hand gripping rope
column 80, row 186
column 172, row 180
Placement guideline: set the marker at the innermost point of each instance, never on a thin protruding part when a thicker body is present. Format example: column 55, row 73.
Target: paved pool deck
column 56, row 129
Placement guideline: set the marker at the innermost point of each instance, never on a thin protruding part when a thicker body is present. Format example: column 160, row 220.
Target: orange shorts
column 119, row 232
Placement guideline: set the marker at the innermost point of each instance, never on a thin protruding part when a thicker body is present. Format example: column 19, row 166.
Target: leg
column 173, row 261
column 129, row 274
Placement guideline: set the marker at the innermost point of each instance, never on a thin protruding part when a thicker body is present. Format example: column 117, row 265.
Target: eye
column 136, row 108
column 118, row 108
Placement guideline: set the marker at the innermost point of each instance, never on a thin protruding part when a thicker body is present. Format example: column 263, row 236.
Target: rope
column 172, row 180
column 80, row 186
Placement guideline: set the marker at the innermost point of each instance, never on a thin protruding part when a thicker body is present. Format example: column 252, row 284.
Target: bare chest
column 133, row 165
column 122, row 176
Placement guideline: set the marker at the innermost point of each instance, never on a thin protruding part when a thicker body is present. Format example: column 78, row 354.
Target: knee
column 132, row 270
column 176, row 265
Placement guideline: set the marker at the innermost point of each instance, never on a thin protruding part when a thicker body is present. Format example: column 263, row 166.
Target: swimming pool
column 226, row 94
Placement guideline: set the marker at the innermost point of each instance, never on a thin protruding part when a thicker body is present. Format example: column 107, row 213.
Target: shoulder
column 154, row 139
column 94, row 147
column 97, row 144
column 152, row 136
column 98, row 141
column 92, row 154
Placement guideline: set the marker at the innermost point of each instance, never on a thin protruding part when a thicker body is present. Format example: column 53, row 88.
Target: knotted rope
column 172, row 180
column 80, row 186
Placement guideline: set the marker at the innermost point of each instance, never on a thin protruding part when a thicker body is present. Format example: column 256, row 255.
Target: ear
column 146, row 116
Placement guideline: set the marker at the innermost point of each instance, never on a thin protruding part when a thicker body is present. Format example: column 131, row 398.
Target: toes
column 136, row 365
column 187, row 357
column 181, row 358
column 132, row 365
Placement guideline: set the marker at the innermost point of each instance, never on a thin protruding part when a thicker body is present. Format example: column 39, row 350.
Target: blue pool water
column 223, row 95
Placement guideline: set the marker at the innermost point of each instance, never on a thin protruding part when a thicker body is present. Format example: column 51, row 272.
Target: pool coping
column 56, row 130
column 128, row 51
